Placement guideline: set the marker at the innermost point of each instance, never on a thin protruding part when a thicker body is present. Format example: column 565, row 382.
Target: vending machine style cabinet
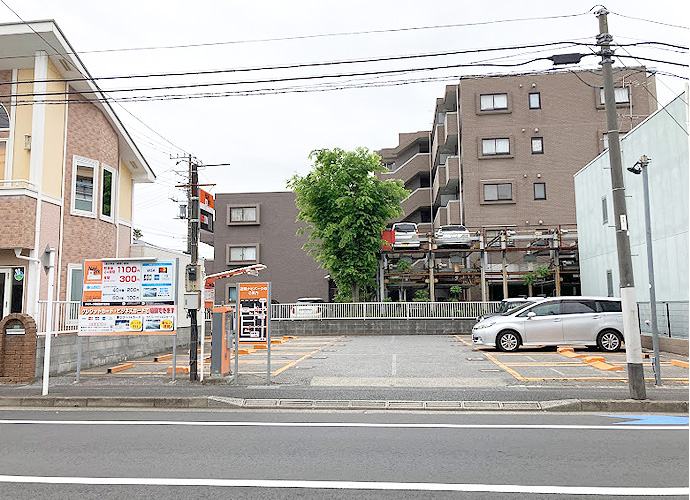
column 222, row 339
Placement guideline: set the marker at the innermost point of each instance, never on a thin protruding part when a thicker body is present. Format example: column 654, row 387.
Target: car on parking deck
column 307, row 308
column 589, row 321
column 453, row 235
column 406, row 235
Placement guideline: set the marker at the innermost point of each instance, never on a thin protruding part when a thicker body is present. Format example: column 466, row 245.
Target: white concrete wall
column 661, row 137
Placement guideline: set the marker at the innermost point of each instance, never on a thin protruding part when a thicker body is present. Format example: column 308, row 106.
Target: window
column 578, row 307
column 622, row 95
column 239, row 215
column 75, row 282
column 107, row 193
column 609, row 283
column 537, row 145
column 604, row 211
column 539, row 190
column 605, row 138
column 491, row 102
column 611, row 306
column 4, row 118
column 548, row 309
column 534, row 100
column 232, row 292
column 242, row 253
column 498, row 192
column 492, row 147
column 84, row 186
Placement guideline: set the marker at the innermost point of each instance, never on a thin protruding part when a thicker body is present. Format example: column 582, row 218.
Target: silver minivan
column 589, row 321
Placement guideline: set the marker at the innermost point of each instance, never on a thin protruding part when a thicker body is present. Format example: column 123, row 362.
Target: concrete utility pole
column 631, row 327
column 193, row 247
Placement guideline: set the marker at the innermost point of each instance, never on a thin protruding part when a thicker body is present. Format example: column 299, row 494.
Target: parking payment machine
column 223, row 338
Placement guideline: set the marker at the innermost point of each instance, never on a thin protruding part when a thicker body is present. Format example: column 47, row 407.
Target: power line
column 650, row 21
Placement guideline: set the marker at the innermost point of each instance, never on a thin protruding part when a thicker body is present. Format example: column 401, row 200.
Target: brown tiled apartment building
column 503, row 149
column 261, row 228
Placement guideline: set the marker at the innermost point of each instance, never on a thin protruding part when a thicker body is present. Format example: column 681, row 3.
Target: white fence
column 65, row 316
column 382, row 310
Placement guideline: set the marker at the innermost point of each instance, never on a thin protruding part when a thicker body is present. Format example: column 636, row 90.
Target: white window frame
column 618, row 93
column 493, row 102
column 230, row 261
column 80, row 161
column 539, row 141
column 538, row 103
column 113, row 194
column 495, row 152
column 3, row 168
column 70, row 273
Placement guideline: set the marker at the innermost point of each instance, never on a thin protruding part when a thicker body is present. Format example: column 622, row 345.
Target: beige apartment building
column 501, row 156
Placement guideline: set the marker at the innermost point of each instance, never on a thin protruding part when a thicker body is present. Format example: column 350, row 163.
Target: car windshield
column 515, row 307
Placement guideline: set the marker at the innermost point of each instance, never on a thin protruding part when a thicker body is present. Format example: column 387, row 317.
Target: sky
column 265, row 131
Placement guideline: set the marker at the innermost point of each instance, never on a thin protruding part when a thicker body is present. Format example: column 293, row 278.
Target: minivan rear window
column 454, row 228
column 405, row 228
column 612, row 306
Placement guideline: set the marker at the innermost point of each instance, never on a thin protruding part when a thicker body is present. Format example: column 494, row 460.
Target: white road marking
column 347, row 425
column 394, row 368
column 618, row 491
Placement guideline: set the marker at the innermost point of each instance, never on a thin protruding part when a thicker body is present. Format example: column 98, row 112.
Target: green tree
column 136, row 233
column 346, row 208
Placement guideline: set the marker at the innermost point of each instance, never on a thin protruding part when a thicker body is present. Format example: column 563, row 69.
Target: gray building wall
column 292, row 272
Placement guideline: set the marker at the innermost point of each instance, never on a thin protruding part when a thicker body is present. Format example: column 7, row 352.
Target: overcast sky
column 265, row 136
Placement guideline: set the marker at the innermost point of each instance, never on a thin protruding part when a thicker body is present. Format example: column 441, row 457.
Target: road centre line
column 364, row 425
column 618, row 491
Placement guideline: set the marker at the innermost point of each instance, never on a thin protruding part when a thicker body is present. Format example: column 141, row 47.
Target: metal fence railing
column 672, row 318
column 65, row 316
column 382, row 310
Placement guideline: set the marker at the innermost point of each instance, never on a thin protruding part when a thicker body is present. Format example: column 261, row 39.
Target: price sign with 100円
column 128, row 298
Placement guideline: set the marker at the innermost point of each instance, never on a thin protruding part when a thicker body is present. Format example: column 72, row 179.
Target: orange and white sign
column 254, row 303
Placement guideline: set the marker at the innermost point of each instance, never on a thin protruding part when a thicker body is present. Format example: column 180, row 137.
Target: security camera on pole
column 631, row 327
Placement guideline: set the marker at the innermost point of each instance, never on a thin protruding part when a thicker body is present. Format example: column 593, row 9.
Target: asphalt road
column 81, row 454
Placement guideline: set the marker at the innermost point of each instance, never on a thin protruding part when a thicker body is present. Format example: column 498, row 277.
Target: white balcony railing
column 65, row 316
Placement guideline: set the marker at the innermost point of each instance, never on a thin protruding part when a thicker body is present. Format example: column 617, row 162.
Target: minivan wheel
column 508, row 341
column 609, row 341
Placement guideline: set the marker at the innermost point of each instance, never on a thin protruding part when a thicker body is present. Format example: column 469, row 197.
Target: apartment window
column 605, row 138
column 232, row 292
column 537, row 145
column 604, row 211
column 84, row 186
column 539, row 190
column 75, row 282
column 491, row 102
column 609, row 283
column 622, row 95
column 492, row 147
column 107, row 193
column 238, row 214
column 534, row 100
column 242, row 253
column 4, row 118
column 498, row 192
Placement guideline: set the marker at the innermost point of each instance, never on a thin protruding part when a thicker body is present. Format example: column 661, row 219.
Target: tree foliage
column 346, row 208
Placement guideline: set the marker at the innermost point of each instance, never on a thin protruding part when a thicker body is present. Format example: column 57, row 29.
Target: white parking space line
column 618, row 491
column 178, row 423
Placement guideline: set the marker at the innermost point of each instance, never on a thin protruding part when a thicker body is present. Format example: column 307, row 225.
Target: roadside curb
column 217, row 402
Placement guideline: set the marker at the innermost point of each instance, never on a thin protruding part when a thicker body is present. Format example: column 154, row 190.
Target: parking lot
column 410, row 361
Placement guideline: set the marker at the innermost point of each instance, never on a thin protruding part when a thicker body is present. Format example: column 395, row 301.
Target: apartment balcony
column 18, row 213
column 450, row 214
column 447, row 178
column 418, row 198
column 438, row 140
column 408, row 170
column 450, row 131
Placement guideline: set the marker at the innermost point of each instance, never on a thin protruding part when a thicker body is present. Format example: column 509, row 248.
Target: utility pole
column 631, row 327
column 193, row 248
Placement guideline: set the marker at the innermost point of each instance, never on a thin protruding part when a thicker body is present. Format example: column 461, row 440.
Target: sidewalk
column 444, row 373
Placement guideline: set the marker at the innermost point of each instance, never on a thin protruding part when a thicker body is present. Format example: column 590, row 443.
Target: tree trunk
column 355, row 292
